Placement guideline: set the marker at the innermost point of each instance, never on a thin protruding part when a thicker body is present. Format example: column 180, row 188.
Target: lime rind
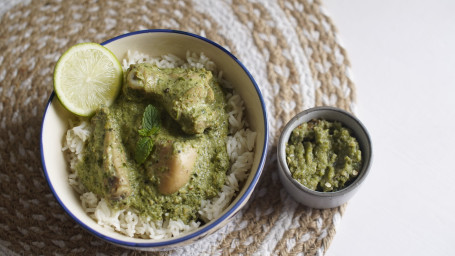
column 86, row 77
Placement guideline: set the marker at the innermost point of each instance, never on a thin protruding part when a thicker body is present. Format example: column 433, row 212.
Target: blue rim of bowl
column 365, row 167
column 206, row 228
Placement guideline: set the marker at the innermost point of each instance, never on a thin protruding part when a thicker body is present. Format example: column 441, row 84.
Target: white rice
column 240, row 148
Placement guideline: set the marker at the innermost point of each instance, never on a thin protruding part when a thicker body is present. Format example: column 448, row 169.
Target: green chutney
column 323, row 155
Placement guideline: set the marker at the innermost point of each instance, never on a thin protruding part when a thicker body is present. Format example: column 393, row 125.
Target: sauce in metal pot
column 323, row 155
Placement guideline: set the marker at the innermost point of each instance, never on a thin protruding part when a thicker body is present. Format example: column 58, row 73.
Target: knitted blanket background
column 290, row 47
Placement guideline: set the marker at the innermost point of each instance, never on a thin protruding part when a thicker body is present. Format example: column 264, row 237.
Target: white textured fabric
column 5, row 5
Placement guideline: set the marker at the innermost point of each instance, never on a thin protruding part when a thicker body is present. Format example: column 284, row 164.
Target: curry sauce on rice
column 168, row 155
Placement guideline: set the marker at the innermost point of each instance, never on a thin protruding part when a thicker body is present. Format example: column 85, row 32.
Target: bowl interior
column 331, row 114
column 155, row 43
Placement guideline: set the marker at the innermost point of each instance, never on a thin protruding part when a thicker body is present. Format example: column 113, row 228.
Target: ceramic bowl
column 310, row 197
column 156, row 43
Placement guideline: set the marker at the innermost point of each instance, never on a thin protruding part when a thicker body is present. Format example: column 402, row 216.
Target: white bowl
column 316, row 199
column 156, row 43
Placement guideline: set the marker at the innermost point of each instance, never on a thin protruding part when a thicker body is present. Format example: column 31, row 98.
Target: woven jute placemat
column 290, row 47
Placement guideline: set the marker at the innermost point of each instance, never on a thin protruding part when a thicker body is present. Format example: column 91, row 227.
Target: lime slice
column 86, row 77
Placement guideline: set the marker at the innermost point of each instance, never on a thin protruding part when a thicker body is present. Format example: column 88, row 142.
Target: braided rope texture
column 290, row 47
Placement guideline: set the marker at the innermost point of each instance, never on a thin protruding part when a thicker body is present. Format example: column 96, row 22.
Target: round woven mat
column 289, row 46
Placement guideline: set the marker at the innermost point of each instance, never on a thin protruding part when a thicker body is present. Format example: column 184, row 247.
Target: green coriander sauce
column 187, row 159
column 323, row 155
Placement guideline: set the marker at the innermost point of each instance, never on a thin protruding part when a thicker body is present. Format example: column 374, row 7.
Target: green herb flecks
column 151, row 123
